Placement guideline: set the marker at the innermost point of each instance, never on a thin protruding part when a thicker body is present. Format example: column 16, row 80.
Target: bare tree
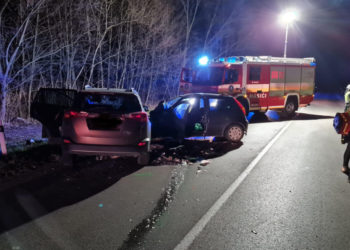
column 11, row 50
column 106, row 43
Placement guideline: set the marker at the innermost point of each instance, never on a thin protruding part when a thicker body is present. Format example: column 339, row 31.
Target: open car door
column 48, row 107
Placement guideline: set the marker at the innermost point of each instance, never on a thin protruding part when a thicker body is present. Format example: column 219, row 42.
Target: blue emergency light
column 203, row 60
column 231, row 59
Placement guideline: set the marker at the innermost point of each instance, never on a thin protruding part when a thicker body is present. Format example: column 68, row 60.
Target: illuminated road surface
column 282, row 189
column 294, row 198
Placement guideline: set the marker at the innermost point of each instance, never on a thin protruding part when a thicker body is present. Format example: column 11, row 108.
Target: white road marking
column 200, row 225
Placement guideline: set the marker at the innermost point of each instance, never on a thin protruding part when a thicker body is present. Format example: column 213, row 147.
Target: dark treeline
column 107, row 43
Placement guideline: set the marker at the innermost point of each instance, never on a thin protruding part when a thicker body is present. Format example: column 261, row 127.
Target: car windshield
column 209, row 76
column 169, row 104
column 118, row 103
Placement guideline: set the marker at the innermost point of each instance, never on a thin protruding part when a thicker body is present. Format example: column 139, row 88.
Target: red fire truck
column 259, row 82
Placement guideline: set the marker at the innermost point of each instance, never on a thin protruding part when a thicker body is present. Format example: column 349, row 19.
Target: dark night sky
column 323, row 32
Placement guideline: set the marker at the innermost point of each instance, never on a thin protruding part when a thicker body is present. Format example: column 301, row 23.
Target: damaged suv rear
column 101, row 122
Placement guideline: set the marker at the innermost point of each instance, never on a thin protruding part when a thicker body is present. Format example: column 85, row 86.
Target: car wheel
column 234, row 133
column 143, row 159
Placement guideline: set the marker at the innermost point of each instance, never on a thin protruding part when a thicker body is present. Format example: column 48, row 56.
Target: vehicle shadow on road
column 304, row 116
column 32, row 199
column 275, row 117
column 39, row 184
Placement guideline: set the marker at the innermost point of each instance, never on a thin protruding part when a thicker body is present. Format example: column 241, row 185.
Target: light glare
column 289, row 16
column 192, row 101
column 203, row 60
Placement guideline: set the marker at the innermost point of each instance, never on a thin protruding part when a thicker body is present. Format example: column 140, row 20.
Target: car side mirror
column 145, row 108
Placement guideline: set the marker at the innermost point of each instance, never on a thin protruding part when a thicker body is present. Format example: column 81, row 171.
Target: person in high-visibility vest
column 347, row 98
column 345, row 138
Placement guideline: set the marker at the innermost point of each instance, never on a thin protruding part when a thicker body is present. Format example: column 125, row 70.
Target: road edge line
column 187, row 241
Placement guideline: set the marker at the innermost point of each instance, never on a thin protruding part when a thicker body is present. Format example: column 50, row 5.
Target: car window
column 254, row 73
column 57, row 97
column 180, row 110
column 217, row 104
column 170, row 103
column 209, row 76
column 213, row 103
column 231, row 75
column 201, row 103
column 186, row 105
column 120, row 103
column 191, row 100
column 187, row 75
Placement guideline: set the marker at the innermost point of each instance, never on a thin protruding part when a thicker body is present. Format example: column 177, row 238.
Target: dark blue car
column 200, row 114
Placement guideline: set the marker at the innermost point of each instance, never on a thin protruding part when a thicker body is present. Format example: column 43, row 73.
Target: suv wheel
column 234, row 133
column 143, row 159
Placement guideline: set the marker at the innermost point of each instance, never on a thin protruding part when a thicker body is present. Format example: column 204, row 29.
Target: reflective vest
column 347, row 97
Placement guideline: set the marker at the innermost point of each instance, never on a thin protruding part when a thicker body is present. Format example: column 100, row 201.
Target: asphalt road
column 281, row 189
column 295, row 197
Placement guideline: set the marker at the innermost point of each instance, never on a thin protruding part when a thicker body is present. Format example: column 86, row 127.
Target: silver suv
column 98, row 122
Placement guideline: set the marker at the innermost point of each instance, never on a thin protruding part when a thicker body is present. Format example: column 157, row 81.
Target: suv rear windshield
column 116, row 103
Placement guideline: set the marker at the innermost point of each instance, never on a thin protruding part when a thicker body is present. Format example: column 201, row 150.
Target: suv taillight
column 241, row 106
column 139, row 116
column 72, row 114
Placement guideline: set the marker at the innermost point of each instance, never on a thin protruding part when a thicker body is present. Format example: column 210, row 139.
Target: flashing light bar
column 232, row 59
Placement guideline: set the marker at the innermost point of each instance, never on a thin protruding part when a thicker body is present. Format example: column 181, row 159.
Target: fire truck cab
column 259, row 82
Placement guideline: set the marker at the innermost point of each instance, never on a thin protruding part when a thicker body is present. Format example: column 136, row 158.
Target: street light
column 287, row 18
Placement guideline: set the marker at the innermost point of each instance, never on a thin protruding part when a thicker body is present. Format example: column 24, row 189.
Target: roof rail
column 131, row 90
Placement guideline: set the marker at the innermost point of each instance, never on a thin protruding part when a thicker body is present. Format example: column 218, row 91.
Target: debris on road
column 204, row 162
column 177, row 148
column 170, row 153
column 254, row 232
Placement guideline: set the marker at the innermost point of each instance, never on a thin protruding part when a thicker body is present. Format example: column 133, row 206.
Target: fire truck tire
column 244, row 102
column 234, row 133
column 291, row 107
